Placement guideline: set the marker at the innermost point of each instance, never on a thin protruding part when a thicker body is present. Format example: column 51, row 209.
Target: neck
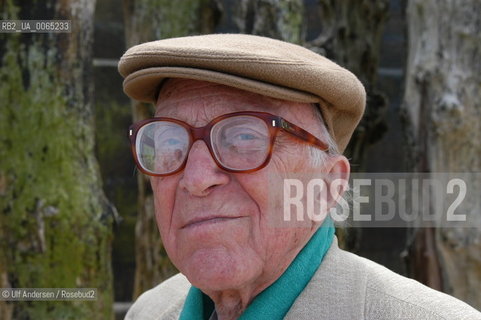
column 231, row 303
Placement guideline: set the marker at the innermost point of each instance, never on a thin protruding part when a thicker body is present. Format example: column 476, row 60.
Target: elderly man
column 236, row 114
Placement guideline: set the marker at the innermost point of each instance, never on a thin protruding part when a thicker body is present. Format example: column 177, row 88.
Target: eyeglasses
column 239, row 142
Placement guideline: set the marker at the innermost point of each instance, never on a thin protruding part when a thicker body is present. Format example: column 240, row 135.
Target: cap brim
column 144, row 85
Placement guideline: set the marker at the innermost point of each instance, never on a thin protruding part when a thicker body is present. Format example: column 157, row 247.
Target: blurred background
column 75, row 213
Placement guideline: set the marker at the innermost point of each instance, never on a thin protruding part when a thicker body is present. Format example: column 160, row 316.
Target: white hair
column 318, row 157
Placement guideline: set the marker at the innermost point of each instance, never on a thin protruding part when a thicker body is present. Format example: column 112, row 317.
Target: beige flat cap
column 262, row 65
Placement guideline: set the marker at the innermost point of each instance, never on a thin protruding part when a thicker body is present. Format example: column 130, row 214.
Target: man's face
column 214, row 224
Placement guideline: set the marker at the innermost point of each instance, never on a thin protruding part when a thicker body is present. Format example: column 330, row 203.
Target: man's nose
column 201, row 174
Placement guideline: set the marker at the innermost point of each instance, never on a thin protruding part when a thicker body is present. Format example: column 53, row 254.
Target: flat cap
column 257, row 64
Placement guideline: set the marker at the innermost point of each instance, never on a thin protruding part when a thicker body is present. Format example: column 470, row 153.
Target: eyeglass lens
column 238, row 143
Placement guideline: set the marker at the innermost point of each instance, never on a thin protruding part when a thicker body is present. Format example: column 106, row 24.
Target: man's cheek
column 163, row 215
column 163, row 193
column 279, row 164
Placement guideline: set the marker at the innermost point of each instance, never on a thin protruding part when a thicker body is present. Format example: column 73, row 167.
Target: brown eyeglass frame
column 274, row 124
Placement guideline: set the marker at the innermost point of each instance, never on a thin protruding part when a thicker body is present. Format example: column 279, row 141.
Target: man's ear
column 336, row 177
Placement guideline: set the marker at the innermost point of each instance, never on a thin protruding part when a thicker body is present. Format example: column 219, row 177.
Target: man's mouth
column 208, row 220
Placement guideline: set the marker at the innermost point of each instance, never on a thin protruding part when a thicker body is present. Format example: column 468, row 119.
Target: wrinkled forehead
column 201, row 101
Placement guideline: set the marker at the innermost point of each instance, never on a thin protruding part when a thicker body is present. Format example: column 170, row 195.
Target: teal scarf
column 274, row 302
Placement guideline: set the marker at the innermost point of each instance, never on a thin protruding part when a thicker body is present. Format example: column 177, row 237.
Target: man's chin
column 214, row 284
column 216, row 270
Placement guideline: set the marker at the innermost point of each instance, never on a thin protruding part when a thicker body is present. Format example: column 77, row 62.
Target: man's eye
column 246, row 136
column 171, row 142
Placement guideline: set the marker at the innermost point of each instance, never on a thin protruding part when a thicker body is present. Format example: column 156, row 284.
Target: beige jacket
column 345, row 286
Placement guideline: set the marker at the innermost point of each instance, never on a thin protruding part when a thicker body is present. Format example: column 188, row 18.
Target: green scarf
column 275, row 301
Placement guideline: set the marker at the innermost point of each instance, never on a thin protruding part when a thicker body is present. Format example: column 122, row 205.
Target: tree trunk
column 148, row 21
column 55, row 222
column 442, row 114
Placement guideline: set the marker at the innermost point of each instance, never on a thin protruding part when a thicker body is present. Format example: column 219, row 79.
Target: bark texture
column 148, row 21
column 442, row 111
column 55, row 222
